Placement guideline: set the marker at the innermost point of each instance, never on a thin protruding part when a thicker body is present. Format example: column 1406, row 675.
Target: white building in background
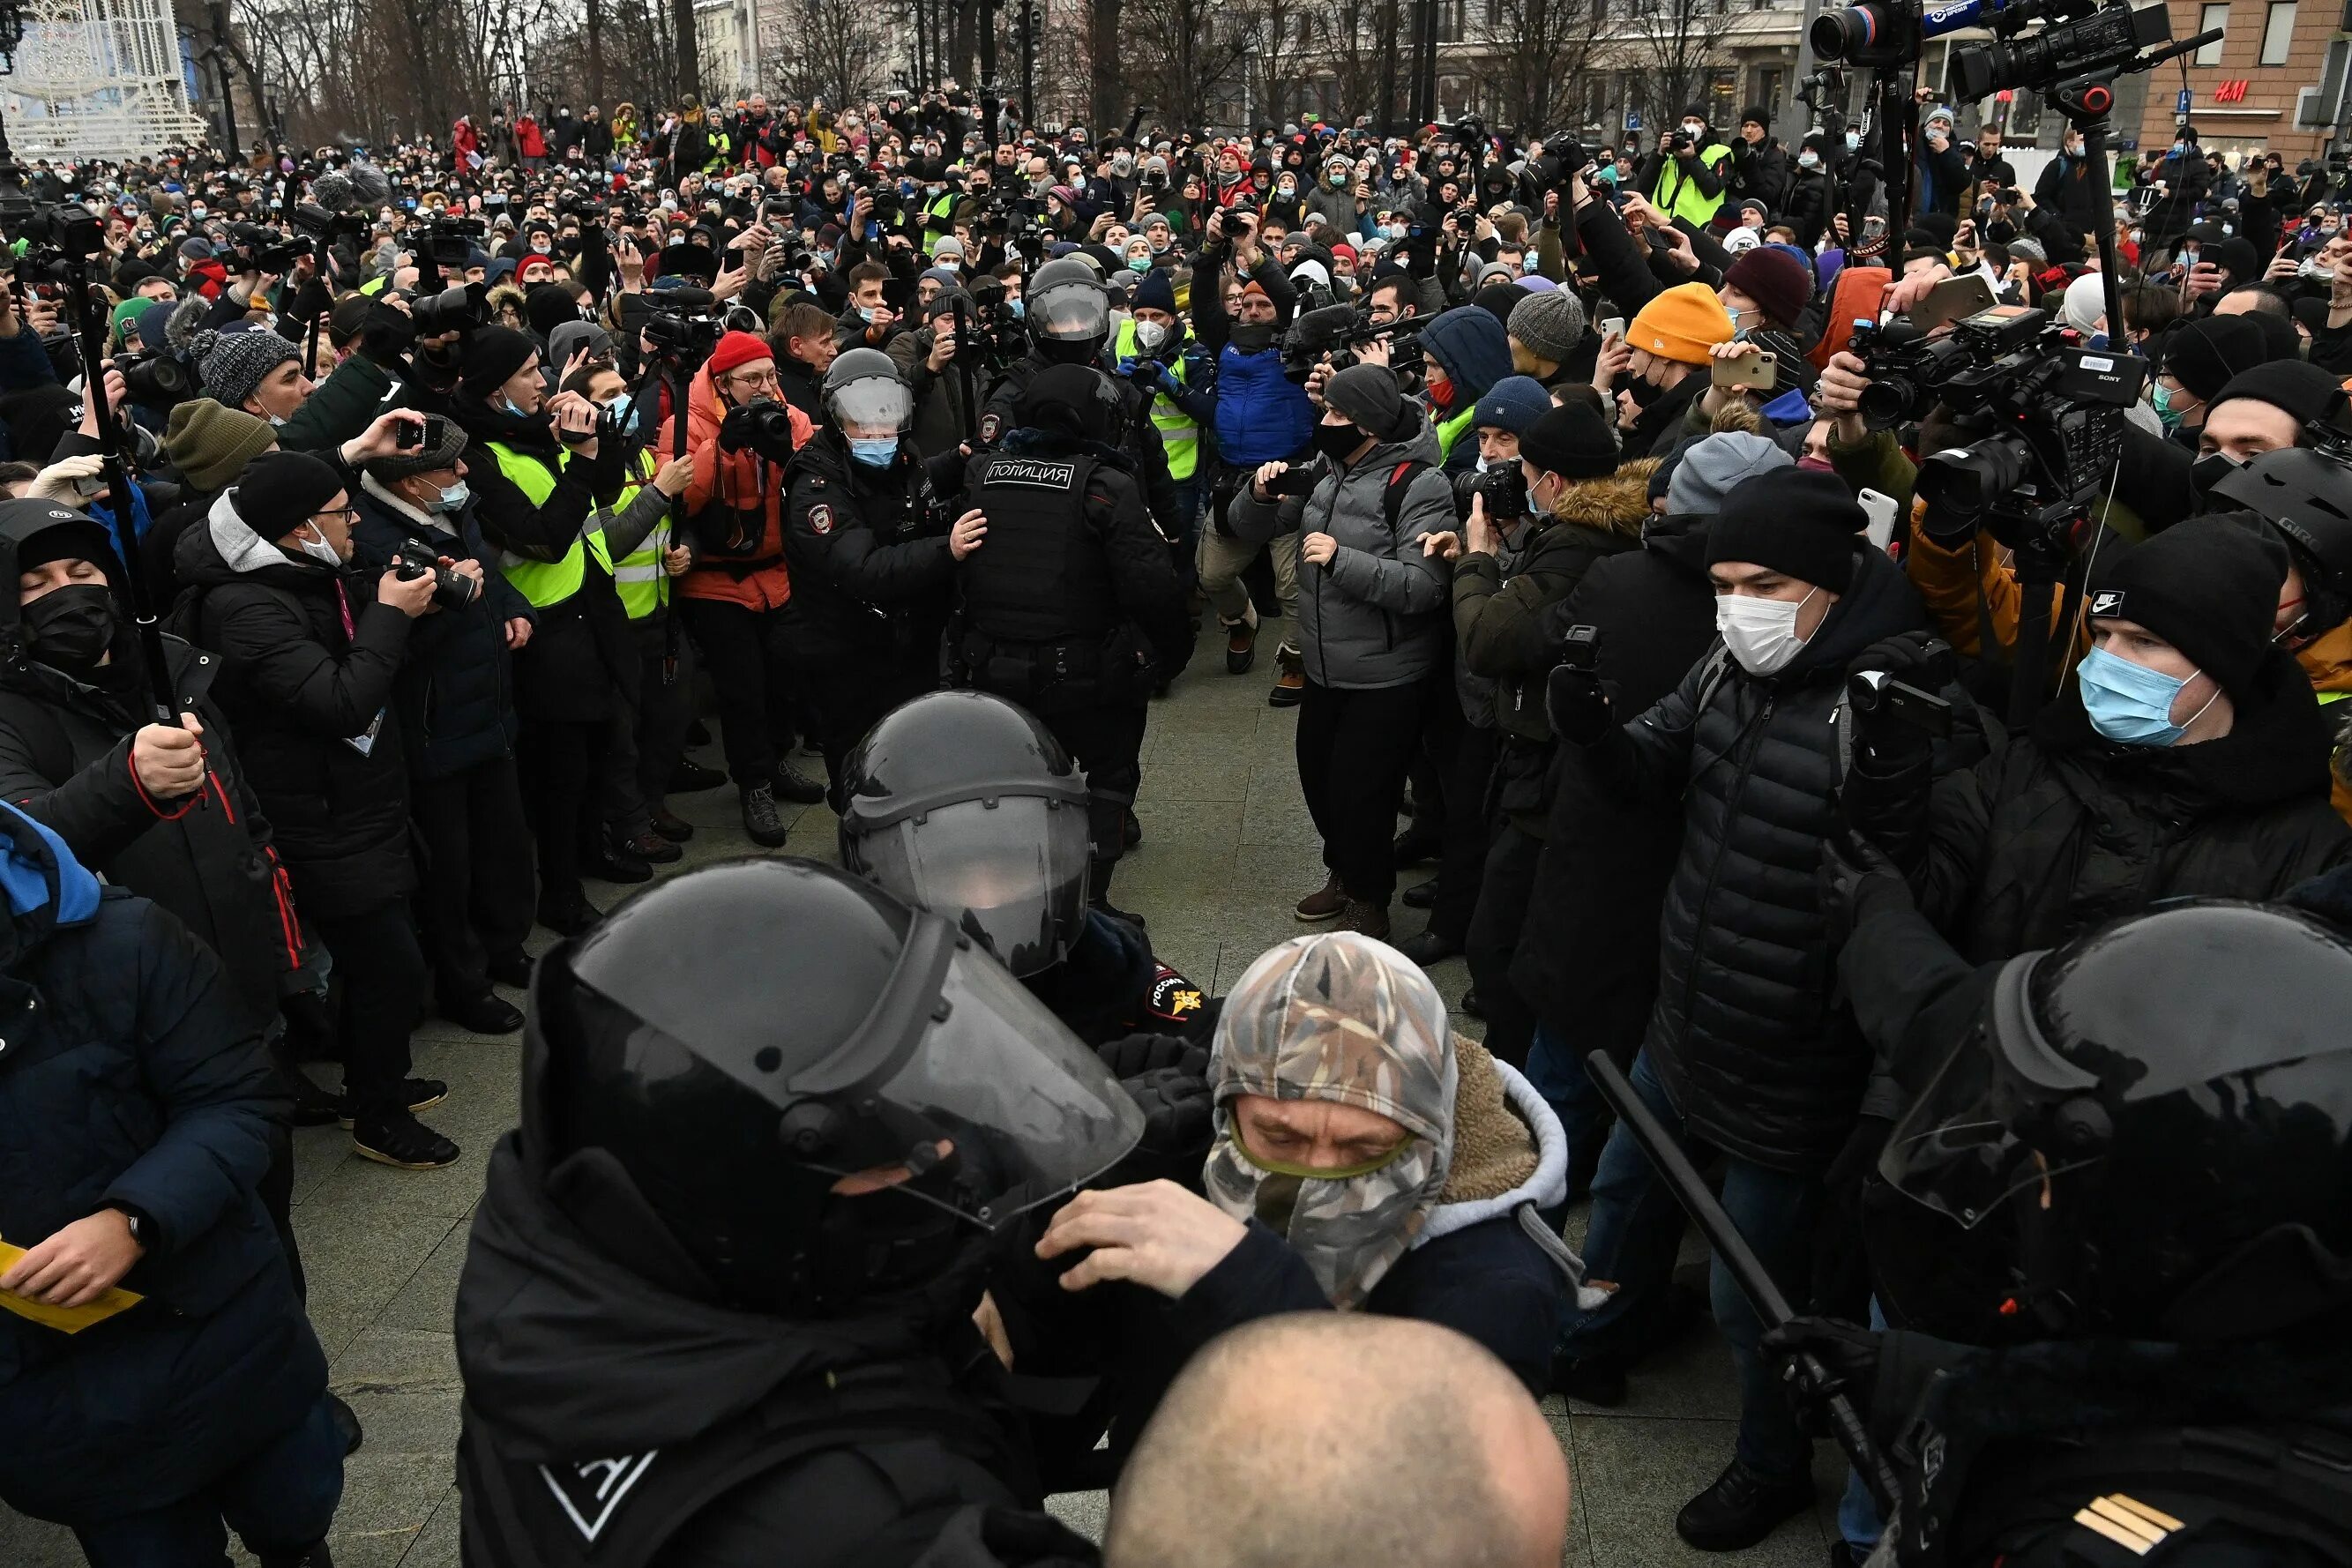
column 726, row 45
column 97, row 79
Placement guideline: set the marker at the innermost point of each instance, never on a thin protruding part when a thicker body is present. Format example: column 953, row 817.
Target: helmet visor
column 1010, row 869
column 1956, row 1149
column 1000, row 1110
column 1070, row 311
column 873, row 402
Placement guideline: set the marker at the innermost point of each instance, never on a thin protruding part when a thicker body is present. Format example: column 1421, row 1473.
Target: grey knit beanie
column 233, row 363
column 1549, row 323
column 1711, row 468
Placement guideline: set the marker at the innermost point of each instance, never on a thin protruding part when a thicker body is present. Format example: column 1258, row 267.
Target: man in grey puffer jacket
column 1372, row 623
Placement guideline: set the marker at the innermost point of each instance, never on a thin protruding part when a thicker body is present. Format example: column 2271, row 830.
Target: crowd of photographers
column 1735, row 663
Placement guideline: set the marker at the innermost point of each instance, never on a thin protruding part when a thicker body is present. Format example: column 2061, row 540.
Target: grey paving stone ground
column 1227, row 848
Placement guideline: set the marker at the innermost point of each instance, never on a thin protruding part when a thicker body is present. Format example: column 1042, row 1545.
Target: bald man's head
column 1337, row 1439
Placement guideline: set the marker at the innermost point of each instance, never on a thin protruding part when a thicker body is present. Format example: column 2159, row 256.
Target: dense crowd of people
column 1903, row 840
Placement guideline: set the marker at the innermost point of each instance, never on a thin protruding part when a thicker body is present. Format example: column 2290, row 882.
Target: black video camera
column 675, row 334
column 2094, row 40
column 460, row 309
column 1333, row 333
column 155, row 379
column 762, row 425
column 451, row 241
column 452, row 590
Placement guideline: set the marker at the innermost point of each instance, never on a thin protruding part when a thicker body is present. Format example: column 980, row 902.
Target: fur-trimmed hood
column 1615, row 504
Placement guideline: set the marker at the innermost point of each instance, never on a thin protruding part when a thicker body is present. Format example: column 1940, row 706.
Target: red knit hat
column 736, row 350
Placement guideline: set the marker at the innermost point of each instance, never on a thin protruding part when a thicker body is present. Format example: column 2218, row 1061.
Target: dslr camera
column 451, row 590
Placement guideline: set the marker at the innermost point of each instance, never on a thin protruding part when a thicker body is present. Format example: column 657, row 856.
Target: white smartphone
column 1613, row 326
column 1880, row 509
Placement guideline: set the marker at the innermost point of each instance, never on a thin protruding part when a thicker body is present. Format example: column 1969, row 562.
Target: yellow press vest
column 544, row 582
column 1677, row 195
column 1451, row 431
column 640, row 577
column 1179, row 433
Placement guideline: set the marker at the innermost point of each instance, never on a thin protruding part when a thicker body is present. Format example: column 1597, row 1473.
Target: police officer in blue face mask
column 867, row 537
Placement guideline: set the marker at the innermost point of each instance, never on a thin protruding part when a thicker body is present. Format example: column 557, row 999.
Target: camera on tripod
column 677, row 334
column 2057, row 421
column 452, row 590
column 453, row 240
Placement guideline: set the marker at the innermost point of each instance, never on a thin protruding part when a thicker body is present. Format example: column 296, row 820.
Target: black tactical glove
column 1884, row 743
column 1855, row 868
column 1177, row 1111
column 1577, row 703
column 1847, row 1353
column 1919, row 658
column 1132, row 1056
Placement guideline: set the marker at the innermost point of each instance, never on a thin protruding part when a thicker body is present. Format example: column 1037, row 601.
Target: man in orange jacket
column 742, row 434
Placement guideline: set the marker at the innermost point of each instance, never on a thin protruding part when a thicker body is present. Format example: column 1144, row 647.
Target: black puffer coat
column 1741, row 1033
column 455, row 691
column 308, row 661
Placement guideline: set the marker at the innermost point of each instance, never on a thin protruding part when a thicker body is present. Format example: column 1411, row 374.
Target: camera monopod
column 1732, row 1251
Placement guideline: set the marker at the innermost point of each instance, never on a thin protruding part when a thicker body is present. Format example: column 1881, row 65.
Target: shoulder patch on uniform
column 990, row 424
column 820, row 518
column 1172, row 997
column 592, row 1492
column 1034, row 471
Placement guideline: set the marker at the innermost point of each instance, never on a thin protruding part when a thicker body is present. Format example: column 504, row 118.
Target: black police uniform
column 683, row 1347
column 1131, row 430
column 2121, row 1185
column 1069, row 609
column 871, row 581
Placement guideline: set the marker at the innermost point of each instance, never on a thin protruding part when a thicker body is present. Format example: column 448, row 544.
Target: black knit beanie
column 2208, row 585
column 1793, row 521
column 2203, row 355
column 280, row 492
column 492, row 356
column 2301, row 389
column 1571, row 441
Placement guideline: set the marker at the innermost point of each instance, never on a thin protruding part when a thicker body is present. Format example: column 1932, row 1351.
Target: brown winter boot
column 1323, row 905
column 1365, row 919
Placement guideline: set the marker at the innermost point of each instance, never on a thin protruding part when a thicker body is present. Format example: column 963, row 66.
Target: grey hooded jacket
column 1375, row 615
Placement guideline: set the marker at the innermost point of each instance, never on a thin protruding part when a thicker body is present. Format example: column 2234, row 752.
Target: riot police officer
column 872, row 555
column 2115, row 1216
column 966, row 805
column 1068, row 317
column 1067, row 605
column 718, row 1298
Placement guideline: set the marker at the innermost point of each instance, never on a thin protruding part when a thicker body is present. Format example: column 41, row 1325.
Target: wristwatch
column 133, row 1220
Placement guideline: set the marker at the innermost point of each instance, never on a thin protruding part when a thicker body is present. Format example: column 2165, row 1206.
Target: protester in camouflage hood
column 1336, row 1018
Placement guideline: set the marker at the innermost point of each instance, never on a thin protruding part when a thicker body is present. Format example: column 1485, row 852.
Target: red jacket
column 728, row 481
column 528, row 140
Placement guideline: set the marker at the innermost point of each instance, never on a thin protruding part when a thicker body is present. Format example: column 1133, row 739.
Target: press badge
column 364, row 741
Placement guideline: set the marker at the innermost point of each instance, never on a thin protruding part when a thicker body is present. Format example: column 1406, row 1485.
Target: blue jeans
column 279, row 1497
column 1631, row 1238
column 1859, row 1522
column 1556, row 1068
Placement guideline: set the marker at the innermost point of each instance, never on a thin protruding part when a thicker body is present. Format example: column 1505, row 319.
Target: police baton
column 1731, row 1249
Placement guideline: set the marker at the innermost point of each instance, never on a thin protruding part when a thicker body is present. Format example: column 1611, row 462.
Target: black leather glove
column 1577, row 704
column 1885, row 742
column 1847, row 1353
column 1176, row 1108
column 1850, row 864
column 1132, row 1056
column 1919, row 658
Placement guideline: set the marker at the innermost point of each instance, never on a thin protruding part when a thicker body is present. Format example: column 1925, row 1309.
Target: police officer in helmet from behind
column 965, row 804
column 717, row 1300
column 1068, row 318
column 2117, row 1215
column 1067, row 604
column 872, row 554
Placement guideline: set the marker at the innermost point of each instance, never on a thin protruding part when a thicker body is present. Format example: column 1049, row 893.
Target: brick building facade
column 2275, row 82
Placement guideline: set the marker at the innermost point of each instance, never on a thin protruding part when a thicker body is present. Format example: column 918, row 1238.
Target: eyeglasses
column 349, row 514
column 753, row 379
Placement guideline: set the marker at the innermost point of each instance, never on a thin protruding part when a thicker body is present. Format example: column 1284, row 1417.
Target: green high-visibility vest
column 1451, row 431
column 1677, row 195
column 1179, row 432
column 643, row 582
column 545, row 583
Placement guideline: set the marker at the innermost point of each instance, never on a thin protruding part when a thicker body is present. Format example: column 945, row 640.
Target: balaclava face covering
column 1335, row 1017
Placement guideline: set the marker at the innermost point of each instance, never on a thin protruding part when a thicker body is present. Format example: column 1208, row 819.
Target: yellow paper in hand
column 65, row 1319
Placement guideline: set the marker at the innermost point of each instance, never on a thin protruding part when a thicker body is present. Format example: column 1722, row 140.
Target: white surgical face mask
column 1149, row 335
column 1760, row 633
column 318, row 549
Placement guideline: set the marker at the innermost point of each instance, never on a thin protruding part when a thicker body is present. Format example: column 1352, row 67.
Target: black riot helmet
column 2155, row 1124
column 1068, row 311
column 964, row 803
column 2305, row 495
column 1075, row 401
column 820, row 1094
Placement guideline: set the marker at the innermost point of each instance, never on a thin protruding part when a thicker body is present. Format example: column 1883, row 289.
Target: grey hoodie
column 1376, row 615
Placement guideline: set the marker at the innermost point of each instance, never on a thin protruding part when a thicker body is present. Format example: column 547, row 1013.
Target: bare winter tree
column 1181, row 57
column 1534, row 79
column 840, row 52
column 1671, row 47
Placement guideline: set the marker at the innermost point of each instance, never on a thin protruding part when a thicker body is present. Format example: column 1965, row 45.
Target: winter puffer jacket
column 133, row 1082
column 1262, row 415
column 1504, row 636
column 455, row 691
column 1374, row 617
column 1740, row 1034
column 307, row 662
column 736, row 499
column 2063, row 829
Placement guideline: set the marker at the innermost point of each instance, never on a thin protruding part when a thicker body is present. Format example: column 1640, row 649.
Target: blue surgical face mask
column 2129, row 703
column 1852, row 140
column 1529, row 262
column 1020, row 308
column 874, row 451
column 453, row 498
